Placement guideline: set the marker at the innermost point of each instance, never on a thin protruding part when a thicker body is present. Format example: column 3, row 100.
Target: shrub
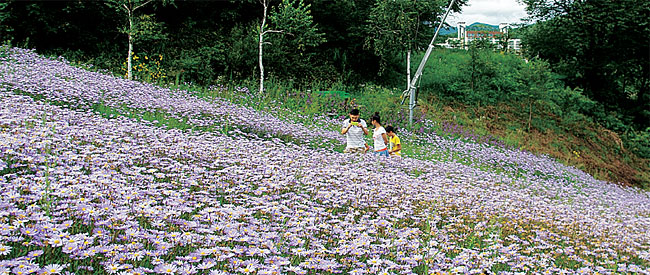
column 639, row 142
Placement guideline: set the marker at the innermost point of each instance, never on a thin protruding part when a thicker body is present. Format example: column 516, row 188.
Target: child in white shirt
column 379, row 136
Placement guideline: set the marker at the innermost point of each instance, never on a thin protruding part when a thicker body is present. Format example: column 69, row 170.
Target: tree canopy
column 600, row 46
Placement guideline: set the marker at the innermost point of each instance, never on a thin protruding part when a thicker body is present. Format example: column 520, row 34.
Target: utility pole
column 411, row 89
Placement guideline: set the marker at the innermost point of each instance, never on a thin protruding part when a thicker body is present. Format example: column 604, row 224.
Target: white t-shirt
column 354, row 136
column 379, row 141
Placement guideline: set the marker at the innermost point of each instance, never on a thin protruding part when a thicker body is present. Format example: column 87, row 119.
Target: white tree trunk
column 408, row 69
column 261, row 44
column 129, row 74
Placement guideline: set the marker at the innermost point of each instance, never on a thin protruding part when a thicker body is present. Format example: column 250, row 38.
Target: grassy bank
column 581, row 142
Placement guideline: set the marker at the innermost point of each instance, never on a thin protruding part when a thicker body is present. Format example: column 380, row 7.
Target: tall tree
column 291, row 17
column 535, row 82
column 263, row 31
column 135, row 28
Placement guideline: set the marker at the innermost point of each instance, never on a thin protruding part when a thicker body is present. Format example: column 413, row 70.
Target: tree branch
column 272, row 31
column 142, row 5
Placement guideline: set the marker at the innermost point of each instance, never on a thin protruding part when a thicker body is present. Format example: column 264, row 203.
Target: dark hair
column 354, row 112
column 390, row 129
column 376, row 117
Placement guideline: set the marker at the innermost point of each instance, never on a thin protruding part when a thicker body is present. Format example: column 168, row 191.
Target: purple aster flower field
column 101, row 175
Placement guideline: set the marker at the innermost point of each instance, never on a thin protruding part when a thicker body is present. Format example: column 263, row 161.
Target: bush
column 4, row 51
column 146, row 68
column 638, row 142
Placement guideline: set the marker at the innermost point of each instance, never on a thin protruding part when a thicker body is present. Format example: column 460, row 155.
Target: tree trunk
column 474, row 58
column 530, row 113
column 471, row 82
column 261, row 43
column 129, row 74
column 643, row 99
column 408, row 69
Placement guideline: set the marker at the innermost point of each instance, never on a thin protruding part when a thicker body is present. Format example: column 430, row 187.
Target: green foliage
column 311, row 103
column 5, row 29
column 343, row 55
column 292, row 53
column 527, row 105
column 483, row 77
column 146, row 29
column 478, row 76
column 213, row 35
column 197, row 51
column 4, row 51
column 143, row 27
column 599, row 46
column 535, row 86
column 294, row 17
column 198, row 65
column 55, row 24
column 373, row 98
column 241, row 45
column 395, row 27
column 481, row 70
column 443, row 75
column 139, row 28
column 639, row 142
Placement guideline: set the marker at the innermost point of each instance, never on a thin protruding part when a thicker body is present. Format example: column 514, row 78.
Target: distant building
column 465, row 37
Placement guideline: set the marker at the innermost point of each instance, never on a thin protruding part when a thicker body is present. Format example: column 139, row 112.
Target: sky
column 490, row 12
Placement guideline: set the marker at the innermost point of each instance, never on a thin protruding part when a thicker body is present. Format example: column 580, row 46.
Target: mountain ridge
column 476, row 26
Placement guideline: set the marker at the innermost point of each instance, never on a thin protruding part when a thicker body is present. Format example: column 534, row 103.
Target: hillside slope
column 100, row 173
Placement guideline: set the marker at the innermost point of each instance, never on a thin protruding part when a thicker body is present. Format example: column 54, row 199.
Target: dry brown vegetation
column 585, row 145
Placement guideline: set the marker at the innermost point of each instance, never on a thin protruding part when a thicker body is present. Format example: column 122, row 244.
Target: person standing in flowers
column 379, row 136
column 395, row 145
column 354, row 130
